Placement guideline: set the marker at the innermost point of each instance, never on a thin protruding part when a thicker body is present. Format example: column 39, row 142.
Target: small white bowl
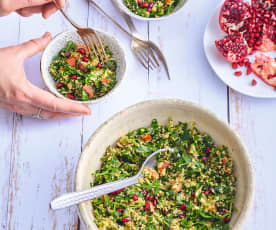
column 141, row 115
column 120, row 4
column 60, row 41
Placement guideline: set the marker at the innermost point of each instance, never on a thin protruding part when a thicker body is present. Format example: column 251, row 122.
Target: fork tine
column 91, row 44
column 101, row 45
column 153, row 56
column 144, row 56
column 146, row 52
column 140, row 60
column 91, row 36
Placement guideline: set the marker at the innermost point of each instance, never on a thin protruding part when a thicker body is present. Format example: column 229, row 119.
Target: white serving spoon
column 74, row 198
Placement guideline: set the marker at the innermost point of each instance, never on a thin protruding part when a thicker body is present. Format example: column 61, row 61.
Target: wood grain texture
column 180, row 38
column 10, row 37
column 253, row 120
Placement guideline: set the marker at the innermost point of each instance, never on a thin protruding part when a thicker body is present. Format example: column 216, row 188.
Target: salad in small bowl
column 70, row 71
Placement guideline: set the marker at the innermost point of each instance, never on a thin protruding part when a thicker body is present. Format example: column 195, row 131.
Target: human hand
column 28, row 7
column 17, row 94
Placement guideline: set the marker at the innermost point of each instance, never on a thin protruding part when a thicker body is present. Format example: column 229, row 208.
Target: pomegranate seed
column 74, row 76
column 207, row 150
column 193, row 195
column 154, row 202
column 183, row 207
column 226, row 219
column 85, row 70
column 134, row 197
column 145, row 191
column 270, row 77
column 119, row 210
column 139, row 2
column 85, row 59
column 80, row 66
column 147, row 206
column 67, row 54
column 125, row 219
column 248, row 71
column 81, row 51
column 70, row 96
column 151, row 198
column 204, row 158
column 151, row 5
column 238, row 73
column 222, row 212
column 120, row 190
column 113, row 193
column 241, row 63
column 234, row 65
column 145, row 5
column 99, row 66
column 59, row 85
column 254, row 82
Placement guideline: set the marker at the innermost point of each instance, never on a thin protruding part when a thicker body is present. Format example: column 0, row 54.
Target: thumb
column 34, row 46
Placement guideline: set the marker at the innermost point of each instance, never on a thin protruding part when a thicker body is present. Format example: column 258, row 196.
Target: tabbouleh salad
column 80, row 76
column 193, row 188
column 151, row 8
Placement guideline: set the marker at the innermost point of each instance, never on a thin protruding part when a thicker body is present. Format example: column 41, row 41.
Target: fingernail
column 47, row 35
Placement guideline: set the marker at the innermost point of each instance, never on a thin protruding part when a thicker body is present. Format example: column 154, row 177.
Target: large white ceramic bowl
column 60, row 41
column 120, row 4
column 141, row 115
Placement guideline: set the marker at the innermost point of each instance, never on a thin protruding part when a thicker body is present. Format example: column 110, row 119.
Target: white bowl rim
column 124, row 70
column 249, row 198
column 121, row 6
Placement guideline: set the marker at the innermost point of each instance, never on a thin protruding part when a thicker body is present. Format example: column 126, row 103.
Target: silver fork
column 73, row 198
column 143, row 49
column 89, row 37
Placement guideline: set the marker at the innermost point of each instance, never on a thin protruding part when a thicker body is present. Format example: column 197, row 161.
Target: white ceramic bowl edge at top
column 141, row 115
column 60, row 41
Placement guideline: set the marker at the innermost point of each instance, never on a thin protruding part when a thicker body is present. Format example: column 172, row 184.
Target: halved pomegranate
column 233, row 48
column 233, row 14
column 265, row 68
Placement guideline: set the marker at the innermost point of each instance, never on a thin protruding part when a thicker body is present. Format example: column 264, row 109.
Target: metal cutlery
column 143, row 49
column 73, row 198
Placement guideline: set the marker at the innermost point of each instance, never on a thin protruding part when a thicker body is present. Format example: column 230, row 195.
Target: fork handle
column 130, row 24
column 73, row 198
column 67, row 16
column 132, row 36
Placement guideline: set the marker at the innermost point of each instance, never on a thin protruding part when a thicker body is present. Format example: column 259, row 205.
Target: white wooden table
column 38, row 158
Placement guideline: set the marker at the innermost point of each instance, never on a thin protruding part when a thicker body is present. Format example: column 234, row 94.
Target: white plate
column 224, row 70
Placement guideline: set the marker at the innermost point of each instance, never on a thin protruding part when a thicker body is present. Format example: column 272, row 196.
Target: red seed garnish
column 85, row 70
column 120, row 190
column 226, row 219
column 145, row 5
column 238, row 73
column 207, row 150
column 74, row 76
column 145, row 191
column 254, row 82
column 234, row 65
column 183, row 207
column 154, row 202
column 125, row 219
column 59, row 85
column 85, row 59
column 134, row 197
column 204, row 158
column 67, row 54
column 147, row 206
column 119, row 210
column 150, row 197
column 181, row 216
column 193, row 195
column 248, row 71
column 99, row 66
column 80, row 66
column 81, row 51
column 70, row 96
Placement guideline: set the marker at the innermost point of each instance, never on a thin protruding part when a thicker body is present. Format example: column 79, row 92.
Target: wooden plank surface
column 10, row 37
column 38, row 158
